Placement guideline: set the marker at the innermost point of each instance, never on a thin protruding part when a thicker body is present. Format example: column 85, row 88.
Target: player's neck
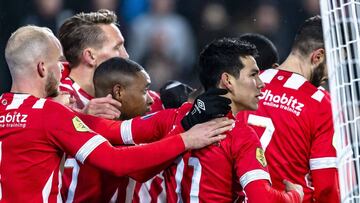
column 296, row 64
column 83, row 76
column 28, row 87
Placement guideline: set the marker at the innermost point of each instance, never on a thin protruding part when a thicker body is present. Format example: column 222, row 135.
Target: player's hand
column 65, row 99
column 207, row 106
column 291, row 186
column 207, row 133
column 105, row 107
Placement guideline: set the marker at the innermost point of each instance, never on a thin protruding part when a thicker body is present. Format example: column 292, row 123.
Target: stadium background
column 165, row 36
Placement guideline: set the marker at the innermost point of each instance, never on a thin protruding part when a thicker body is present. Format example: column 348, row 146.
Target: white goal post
column 341, row 26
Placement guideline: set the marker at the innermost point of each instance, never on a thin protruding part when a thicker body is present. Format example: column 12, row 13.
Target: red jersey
column 216, row 173
column 84, row 183
column 81, row 97
column 295, row 126
column 157, row 105
column 152, row 190
column 66, row 70
column 35, row 132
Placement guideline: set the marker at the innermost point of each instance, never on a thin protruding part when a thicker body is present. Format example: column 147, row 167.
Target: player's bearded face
column 52, row 85
column 319, row 75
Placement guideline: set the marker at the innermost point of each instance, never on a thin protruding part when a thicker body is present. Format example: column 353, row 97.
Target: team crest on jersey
column 260, row 156
column 79, row 125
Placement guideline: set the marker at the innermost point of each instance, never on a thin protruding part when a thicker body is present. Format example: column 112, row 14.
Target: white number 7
column 265, row 122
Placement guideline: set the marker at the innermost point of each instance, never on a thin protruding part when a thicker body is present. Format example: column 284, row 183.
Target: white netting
column 341, row 20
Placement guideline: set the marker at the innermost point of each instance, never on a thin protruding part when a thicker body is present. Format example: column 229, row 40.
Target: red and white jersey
column 216, row 173
column 219, row 172
column 295, row 126
column 84, row 183
column 152, row 190
column 33, row 135
column 82, row 98
column 80, row 182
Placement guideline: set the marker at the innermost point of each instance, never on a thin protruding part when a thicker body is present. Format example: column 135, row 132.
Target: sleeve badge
column 79, row 125
column 260, row 156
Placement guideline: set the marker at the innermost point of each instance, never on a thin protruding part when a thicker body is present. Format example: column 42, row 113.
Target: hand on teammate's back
column 207, row 133
column 105, row 107
column 65, row 99
column 291, row 186
column 207, row 106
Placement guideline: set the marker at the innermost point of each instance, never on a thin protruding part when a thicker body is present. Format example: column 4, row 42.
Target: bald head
column 27, row 46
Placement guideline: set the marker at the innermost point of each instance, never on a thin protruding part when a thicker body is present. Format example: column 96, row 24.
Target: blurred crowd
column 165, row 36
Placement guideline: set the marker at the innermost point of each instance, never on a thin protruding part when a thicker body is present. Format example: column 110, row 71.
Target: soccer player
column 218, row 172
column 34, row 131
column 268, row 56
column 294, row 119
column 128, row 83
column 88, row 39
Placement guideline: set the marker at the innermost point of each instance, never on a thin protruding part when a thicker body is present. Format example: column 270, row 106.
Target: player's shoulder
column 242, row 131
column 291, row 84
column 55, row 107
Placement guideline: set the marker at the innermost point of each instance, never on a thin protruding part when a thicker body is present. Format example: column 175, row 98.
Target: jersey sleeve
column 148, row 128
column 323, row 156
column 138, row 130
column 249, row 159
column 67, row 132
column 261, row 191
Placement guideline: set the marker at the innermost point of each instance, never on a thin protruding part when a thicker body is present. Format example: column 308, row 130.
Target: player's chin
column 254, row 105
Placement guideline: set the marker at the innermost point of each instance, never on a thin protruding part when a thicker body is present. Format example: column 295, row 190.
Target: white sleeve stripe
column 17, row 101
column 126, row 134
column 268, row 75
column 322, row 163
column 39, row 104
column 257, row 174
column 295, row 81
column 318, row 95
column 88, row 147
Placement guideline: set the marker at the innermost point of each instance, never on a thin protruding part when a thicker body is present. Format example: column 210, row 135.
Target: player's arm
column 147, row 174
column 261, row 191
column 251, row 169
column 134, row 131
column 323, row 157
column 326, row 191
column 67, row 132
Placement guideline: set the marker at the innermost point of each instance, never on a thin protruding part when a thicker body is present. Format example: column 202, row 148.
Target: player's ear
column 40, row 67
column 118, row 92
column 88, row 56
column 318, row 56
column 226, row 81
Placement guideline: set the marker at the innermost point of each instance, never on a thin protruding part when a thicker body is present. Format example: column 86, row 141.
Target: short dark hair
column 81, row 31
column 267, row 53
column 113, row 71
column 309, row 37
column 223, row 55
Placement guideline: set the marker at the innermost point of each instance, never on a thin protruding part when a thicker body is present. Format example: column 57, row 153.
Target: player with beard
column 35, row 132
column 294, row 119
